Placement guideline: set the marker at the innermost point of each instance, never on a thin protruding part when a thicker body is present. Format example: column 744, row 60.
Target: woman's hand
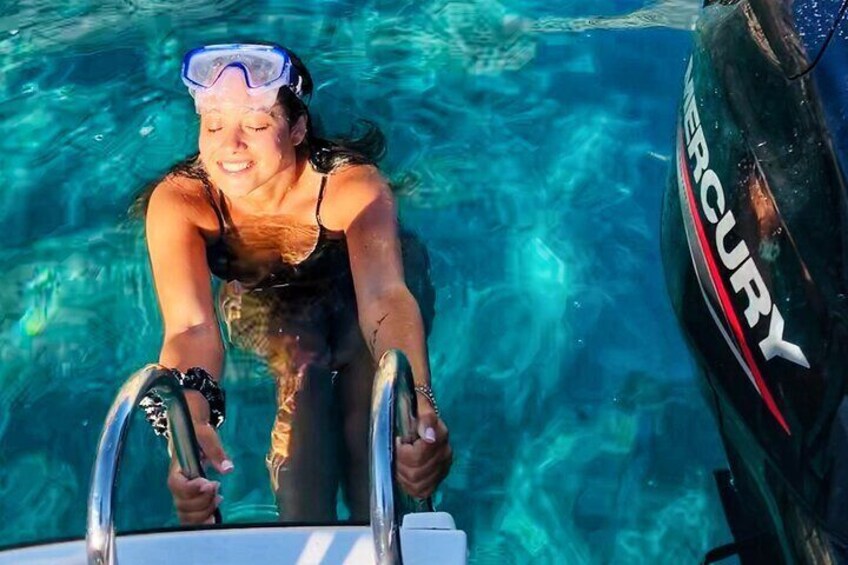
column 197, row 499
column 423, row 464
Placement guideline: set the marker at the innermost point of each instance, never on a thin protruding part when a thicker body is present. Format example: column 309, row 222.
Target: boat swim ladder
column 392, row 413
column 100, row 529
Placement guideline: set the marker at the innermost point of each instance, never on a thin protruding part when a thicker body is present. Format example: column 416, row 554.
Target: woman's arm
column 183, row 286
column 388, row 313
column 192, row 339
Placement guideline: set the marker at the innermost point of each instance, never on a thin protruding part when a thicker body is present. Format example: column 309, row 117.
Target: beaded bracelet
column 427, row 393
column 197, row 379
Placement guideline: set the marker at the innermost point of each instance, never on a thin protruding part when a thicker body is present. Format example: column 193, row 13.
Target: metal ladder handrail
column 100, row 530
column 392, row 413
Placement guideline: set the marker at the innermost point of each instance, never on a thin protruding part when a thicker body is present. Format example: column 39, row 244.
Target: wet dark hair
column 324, row 153
column 327, row 154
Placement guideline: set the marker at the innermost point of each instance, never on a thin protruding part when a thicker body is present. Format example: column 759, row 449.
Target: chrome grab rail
column 100, row 530
column 393, row 413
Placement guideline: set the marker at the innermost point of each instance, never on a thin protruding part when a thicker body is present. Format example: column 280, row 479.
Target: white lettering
column 734, row 258
column 774, row 345
column 710, row 181
column 691, row 119
column 698, row 149
column 745, row 276
column 748, row 278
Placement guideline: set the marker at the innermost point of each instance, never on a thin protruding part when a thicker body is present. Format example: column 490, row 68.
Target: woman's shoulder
column 174, row 188
column 178, row 196
column 356, row 182
column 351, row 189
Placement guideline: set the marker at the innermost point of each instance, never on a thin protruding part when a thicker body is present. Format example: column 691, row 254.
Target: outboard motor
column 755, row 251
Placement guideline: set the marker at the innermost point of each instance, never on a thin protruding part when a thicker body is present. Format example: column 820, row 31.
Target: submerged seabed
column 532, row 142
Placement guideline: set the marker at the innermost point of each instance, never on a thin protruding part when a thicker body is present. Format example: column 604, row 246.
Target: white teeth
column 235, row 167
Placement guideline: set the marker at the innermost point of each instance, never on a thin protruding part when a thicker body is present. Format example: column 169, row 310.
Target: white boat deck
column 426, row 538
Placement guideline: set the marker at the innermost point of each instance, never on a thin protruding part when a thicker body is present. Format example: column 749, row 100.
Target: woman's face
column 243, row 147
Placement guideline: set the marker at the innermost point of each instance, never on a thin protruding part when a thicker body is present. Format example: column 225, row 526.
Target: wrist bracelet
column 427, row 393
column 197, row 379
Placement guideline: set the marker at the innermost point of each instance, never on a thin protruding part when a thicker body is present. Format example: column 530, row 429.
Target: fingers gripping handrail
column 393, row 413
column 100, row 532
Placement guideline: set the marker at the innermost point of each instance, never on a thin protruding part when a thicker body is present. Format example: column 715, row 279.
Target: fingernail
column 208, row 486
column 430, row 435
column 227, row 465
column 218, row 500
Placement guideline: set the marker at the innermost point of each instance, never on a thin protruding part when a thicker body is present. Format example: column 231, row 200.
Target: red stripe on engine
column 726, row 304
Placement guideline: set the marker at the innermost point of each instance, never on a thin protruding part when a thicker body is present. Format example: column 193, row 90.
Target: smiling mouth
column 235, row 167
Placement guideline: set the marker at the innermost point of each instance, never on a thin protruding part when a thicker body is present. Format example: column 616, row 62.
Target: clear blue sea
column 536, row 138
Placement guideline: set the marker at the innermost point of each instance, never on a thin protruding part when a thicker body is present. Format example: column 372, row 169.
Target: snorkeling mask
column 265, row 69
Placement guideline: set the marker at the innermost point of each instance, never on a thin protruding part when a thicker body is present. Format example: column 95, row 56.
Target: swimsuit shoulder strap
column 207, row 188
column 320, row 198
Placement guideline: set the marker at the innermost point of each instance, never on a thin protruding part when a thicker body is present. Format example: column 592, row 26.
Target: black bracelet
column 197, row 379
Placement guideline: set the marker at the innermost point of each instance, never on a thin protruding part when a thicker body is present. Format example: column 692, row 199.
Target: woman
column 304, row 231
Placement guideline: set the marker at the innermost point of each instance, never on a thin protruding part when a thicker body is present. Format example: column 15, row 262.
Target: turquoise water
column 535, row 140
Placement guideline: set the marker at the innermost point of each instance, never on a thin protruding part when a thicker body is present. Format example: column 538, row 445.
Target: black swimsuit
column 327, row 262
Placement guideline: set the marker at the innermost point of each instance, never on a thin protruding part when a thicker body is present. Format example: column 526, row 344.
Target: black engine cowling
column 755, row 250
